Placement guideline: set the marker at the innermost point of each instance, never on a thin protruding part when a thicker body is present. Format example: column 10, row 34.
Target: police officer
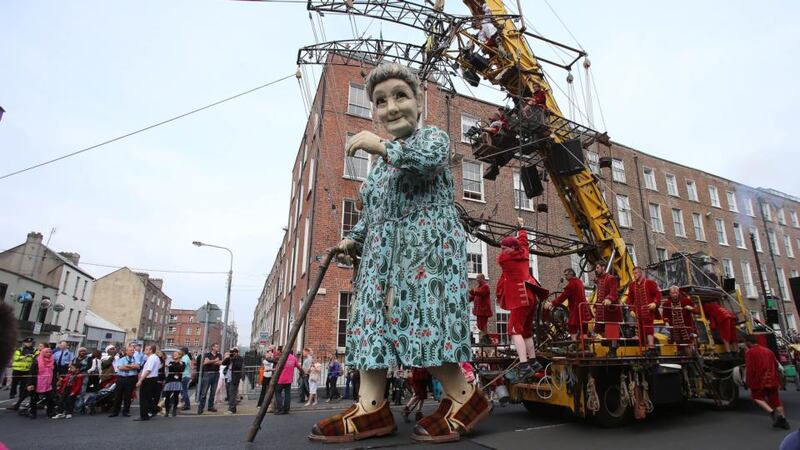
column 21, row 367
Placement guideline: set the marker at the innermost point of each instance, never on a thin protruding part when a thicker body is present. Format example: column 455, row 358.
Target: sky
column 711, row 85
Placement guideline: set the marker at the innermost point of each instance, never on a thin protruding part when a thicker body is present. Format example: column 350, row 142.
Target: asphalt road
column 696, row 426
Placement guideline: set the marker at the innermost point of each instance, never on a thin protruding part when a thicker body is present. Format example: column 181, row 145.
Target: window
column 782, row 284
column 748, row 207
column 186, row 342
column 632, row 253
column 350, row 216
column 358, row 103
column 790, row 321
column 787, row 244
column 156, row 319
column 747, row 278
column 624, row 211
column 533, row 263
column 310, row 176
column 727, row 268
column 655, row 218
column 467, row 122
column 172, row 330
column 738, row 235
column 344, row 310
column 197, row 331
column 677, row 222
column 618, row 170
column 795, row 221
column 593, row 160
column 69, row 318
column 77, row 321
column 691, row 191
column 714, row 194
column 781, row 216
column 306, row 242
column 501, row 324
column 731, row 196
column 170, row 341
column 794, row 273
column 520, row 199
column 294, row 261
column 766, row 211
column 699, row 232
column 197, row 342
column 356, row 167
column 476, row 257
column 41, row 317
column 189, row 331
column 472, row 180
column 149, row 314
column 174, row 318
column 661, row 254
column 75, row 287
column 83, row 293
column 191, row 319
column 722, row 236
column 766, row 278
column 672, row 185
column 756, row 238
column 773, row 242
column 650, row 179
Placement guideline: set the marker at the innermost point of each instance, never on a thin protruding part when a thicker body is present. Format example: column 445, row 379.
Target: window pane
column 358, row 103
column 472, row 180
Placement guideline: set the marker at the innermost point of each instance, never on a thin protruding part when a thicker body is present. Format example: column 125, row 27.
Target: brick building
column 661, row 207
column 184, row 329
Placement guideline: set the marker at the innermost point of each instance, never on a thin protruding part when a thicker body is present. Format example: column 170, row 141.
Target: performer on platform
column 480, row 296
column 678, row 309
column 579, row 312
column 724, row 321
column 607, row 307
column 644, row 297
column 410, row 307
column 517, row 291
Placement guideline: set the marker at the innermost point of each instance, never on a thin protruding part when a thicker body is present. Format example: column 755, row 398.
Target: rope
column 592, row 400
column 646, row 395
column 624, row 394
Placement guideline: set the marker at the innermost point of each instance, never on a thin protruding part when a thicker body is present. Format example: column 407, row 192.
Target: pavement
column 694, row 426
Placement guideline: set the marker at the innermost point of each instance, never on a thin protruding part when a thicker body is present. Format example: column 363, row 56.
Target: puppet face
column 673, row 292
column 397, row 108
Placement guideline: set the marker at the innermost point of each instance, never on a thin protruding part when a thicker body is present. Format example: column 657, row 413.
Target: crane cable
column 149, row 127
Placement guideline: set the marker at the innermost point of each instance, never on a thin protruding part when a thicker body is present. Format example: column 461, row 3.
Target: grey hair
column 388, row 72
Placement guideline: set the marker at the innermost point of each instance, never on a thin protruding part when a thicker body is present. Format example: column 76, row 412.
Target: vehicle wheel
column 728, row 392
column 532, row 407
column 613, row 412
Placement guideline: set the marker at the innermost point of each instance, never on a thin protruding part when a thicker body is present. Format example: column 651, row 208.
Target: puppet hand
column 633, row 314
column 368, row 142
column 345, row 251
column 520, row 222
column 606, row 302
column 651, row 306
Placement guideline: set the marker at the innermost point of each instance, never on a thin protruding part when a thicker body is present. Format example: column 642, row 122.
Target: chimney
column 34, row 238
column 158, row 282
column 71, row 256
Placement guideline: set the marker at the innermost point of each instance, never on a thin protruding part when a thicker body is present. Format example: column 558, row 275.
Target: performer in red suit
column 517, row 291
column 644, row 297
column 724, row 321
column 761, row 376
column 579, row 312
column 678, row 310
column 481, row 303
column 607, row 307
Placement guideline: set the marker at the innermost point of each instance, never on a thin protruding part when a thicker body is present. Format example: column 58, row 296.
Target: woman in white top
column 313, row 383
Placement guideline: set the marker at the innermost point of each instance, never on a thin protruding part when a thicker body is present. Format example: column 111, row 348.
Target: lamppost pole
column 228, row 297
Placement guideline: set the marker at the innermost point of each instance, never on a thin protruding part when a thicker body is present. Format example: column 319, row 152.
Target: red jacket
column 688, row 316
column 575, row 293
column 71, row 385
column 482, row 302
column 607, row 287
column 516, row 287
column 642, row 294
column 761, row 368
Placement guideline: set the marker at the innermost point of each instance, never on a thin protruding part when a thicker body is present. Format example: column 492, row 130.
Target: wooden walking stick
column 307, row 301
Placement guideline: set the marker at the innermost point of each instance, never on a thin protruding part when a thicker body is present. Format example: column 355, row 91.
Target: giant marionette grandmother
column 410, row 306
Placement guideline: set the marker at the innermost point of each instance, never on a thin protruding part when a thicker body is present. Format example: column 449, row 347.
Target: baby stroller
column 102, row 399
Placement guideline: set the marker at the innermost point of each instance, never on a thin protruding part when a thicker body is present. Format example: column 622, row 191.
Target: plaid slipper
column 354, row 424
column 451, row 419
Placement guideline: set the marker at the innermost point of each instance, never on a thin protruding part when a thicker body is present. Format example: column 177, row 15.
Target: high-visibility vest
column 21, row 362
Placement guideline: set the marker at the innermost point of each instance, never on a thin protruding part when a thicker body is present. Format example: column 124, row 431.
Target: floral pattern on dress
column 411, row 305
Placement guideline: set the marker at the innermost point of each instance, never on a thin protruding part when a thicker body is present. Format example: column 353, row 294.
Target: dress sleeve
column 426, row 156
column 359, row 232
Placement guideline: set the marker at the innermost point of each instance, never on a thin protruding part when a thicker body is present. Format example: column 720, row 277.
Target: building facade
column 101, row 333
column 134, row 302
column 661, row 207
column 186, row 329
column 33, row 262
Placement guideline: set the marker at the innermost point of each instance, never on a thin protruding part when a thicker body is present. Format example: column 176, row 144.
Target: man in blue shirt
column 127, row 373
column 62, row 358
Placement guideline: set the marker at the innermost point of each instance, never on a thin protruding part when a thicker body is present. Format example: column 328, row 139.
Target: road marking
column 543, row 427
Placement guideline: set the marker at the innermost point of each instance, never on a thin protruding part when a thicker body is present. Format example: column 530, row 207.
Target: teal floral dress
column 410, row 306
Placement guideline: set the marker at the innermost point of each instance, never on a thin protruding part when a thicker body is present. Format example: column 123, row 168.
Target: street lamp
column 228, row 298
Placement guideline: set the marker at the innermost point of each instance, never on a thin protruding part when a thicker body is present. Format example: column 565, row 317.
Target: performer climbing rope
column 410, row 307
